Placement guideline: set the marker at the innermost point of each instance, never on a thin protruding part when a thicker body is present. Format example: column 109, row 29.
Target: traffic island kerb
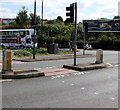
column 85, row 67
column 21, row 74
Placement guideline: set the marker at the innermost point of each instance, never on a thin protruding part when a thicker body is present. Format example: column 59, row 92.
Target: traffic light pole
column 73, row 19
column 75, row 38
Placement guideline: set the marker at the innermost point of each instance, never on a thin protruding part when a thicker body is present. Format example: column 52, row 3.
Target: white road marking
column 82, row 88
column 37, row 68
column 79, row 73
column 63, row 81
column 112, row 98
column 116, row 65
column 17, row 62
column 50, row 67
column 62, row 75
column 82, row 73
column 110, row 65
column 7, row 80
column 96, row 93
column 75, row 73
column 58, row 76
column 72, row 84
column 53, row 77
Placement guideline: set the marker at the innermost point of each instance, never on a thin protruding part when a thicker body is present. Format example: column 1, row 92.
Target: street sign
column 112, row 25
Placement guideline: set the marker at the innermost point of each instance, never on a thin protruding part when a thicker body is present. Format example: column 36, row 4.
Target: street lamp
column 34, row 29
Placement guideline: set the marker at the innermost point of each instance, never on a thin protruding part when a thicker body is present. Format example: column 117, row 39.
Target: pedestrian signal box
column 6, row 61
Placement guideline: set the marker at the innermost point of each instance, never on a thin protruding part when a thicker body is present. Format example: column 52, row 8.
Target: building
column 6, row 20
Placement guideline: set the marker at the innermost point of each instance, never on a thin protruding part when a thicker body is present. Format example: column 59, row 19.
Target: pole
column 42, row 20
column 84, row 41
column 34, row 29
column 42, row 12
column 75, row 39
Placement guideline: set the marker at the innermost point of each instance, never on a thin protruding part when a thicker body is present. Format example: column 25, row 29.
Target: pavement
column 51, row 57
column 21, row 74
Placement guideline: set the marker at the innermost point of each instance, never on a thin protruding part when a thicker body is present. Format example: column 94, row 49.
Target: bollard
column 6, row 61
column 99, row 56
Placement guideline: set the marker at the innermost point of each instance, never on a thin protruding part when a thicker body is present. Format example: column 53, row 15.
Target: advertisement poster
column 102, row 25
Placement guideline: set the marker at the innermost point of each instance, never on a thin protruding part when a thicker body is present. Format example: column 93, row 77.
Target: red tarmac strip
column 50, row 72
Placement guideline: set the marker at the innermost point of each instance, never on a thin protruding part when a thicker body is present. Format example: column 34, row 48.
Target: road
column 109, row 57
column 88, row 89
column 93, row 89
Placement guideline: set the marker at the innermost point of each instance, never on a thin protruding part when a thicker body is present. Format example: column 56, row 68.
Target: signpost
column 85, row 36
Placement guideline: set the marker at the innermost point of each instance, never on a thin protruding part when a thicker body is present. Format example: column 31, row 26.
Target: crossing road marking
column 110, row 65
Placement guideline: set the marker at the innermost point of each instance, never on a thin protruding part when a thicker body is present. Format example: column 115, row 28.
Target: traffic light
column 70, row 13
column 86, row 27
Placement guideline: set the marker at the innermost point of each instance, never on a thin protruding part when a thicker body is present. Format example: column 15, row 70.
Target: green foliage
column 22, row 53
column 22, row 19
column 116, row 17
column 31, row 18
column 27, row 52
column 70, row 52
column 59, row 19
column 37, row 50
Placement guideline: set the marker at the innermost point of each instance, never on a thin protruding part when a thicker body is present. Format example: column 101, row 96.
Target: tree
column 103, row 18
column 31, row 18
column 51, row 22
column 22, row 19
column 59, row 19
column 116, row 17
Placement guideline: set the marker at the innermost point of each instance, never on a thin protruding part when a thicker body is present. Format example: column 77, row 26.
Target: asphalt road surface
column 91, row 89
column 88, row 89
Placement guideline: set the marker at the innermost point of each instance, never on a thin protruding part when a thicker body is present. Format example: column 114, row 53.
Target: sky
column 86, row 9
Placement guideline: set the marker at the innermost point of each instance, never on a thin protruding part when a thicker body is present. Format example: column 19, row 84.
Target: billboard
column 112, row 25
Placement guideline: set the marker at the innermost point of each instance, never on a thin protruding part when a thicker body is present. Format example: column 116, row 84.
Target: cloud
column 119, row 8
column 92, row 9
column 8, row 12
column 17, row 2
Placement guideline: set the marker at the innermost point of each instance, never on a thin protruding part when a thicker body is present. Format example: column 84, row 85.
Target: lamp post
column 42, row 21
column 34, row 29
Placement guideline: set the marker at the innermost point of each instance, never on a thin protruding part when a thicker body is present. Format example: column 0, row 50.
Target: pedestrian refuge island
column 7, row 62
